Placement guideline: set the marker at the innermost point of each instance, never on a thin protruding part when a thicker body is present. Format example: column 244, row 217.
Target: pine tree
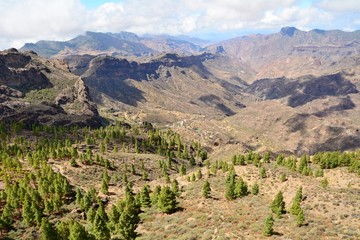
column 182, row 169
column 175, row 187
column 7, row 214
column 167, row 200
column 77, row 231
column 300, row 218
column 230, row 189
column 155, row 195
column 145, row 197
column 79, row 196
column 295, row 207
column 255, row 189
column 241, row 189
column 127, row 223
column 267, row 157
column 199, row 174
column 114, row 216
column 324, row 183
column 27, row 213
column 269, row 223
column 278, row 205
column 206, row 189
column 47, row 230
column 62, row 230
column 90, row 214
column 145, row 175
column 104, row 187
column 100, row 230
column 193, row 177
column 262, row 172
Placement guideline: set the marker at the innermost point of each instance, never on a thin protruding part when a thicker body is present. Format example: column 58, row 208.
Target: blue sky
column 33, row 20
column 92, row 4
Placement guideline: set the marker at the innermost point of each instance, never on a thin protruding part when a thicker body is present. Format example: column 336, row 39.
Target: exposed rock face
column 16, row 71
column 158, row 81
column 21, row 74
column 302, row 90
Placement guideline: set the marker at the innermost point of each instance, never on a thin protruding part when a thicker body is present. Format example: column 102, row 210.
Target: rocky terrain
column 293, row 91
column 107, row 137
column 38, row 91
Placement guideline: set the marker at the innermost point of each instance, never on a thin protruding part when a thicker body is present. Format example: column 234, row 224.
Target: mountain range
column 292, row 91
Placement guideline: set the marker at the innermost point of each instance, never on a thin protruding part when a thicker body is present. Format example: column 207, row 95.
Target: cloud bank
column 32, row 20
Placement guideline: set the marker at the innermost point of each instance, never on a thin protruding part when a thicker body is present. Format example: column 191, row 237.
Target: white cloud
column 31, row 20
column 340, row 5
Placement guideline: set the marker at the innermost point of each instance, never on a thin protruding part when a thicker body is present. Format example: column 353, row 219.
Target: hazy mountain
column 117, row 44
column 293, row 53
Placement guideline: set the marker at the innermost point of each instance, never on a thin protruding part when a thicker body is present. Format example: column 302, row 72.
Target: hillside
column 38, row 91
column 129, row 180
column 294, row 53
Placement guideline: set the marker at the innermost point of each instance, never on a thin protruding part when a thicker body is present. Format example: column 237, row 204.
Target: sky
column 33, row 20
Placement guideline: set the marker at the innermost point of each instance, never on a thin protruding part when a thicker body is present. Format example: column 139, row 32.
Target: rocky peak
column 288, row 31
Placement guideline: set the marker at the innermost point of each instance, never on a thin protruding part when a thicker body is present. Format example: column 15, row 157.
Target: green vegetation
column 66, row 183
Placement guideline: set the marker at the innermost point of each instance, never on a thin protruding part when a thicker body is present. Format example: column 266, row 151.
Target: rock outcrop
column 24, row 77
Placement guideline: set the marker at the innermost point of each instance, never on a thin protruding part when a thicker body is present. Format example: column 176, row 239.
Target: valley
column 120, row 136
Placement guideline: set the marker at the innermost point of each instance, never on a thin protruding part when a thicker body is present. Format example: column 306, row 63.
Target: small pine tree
column 230, row 189
column 199, row 174
column 155, row 195
column 255, row 189
column 90, row 214
column 145, row 197
column 167, row 200
column 241, row 188
column 62, row 230
column 300, row 218
column 182, row 169
column 47, row 230
column 267, row 157
column 324, row 183
column 73, row 162
column 283, row 177
column 278, row 205
column 206, row 189
column 145, row 176
column 175, row 187
column 104, row 187
column 77, row 231
column 128, row 222
column 100, row 229
column 27, row 213
column 193, row 178
column 269, row 223
column 262, row 172
column 295, row 206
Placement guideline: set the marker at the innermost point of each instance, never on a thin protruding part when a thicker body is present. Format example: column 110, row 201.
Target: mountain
column 34, row 90
column 293, row 53
column 294, row 91
column 184, row 83
column 115, row 44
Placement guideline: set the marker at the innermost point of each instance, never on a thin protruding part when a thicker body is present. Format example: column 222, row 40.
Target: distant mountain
column 116, row 44
column 293, row 53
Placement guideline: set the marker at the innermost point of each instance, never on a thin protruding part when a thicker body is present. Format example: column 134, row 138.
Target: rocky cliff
column 38, row 91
